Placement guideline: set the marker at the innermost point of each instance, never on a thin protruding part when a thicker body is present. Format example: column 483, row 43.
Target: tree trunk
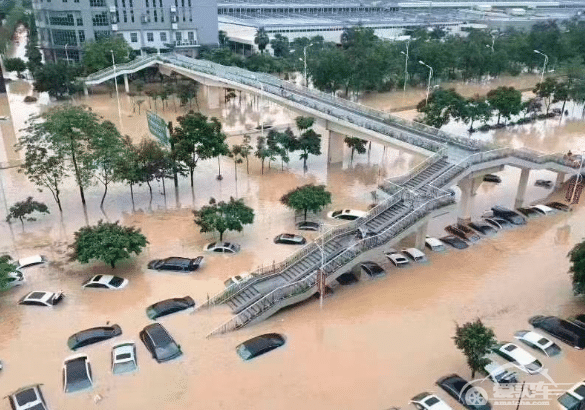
column 262, row 166
column 499, row 118
column 132, row 196
column 77, row 176
column 218, row 165
column 248, row 163
column 104, row 196
column 113, row 264
column 221, row 236
column 352, row 151
column 305, row 214
column 22, row 222
column 191, row 171
column 150, row 189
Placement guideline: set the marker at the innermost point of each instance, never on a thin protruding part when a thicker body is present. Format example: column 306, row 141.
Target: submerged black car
column 508, row 214
column 483, row 228
column 94, row 335
column 259, row 345
column 76, row 374
column 569, row 332
column 560, row 206
column 499, row 223
column 529, row 212
column 463, row 392
column 492, row 178
column 308, row 226
column 160, row 343
column 454, row 241
column 176, row 264
column 168, row 306
column 372, row 268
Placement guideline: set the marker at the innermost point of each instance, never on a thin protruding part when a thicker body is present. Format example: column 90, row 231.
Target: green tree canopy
column 97, row 55
column 224, row 216
column 356, row 144
column 58, row 79
column 261, row 39
column 546, row 91
column 7, row 267
column 309, row 142
column 441, row 106
column 475, row 340
column 23, row 209
column 15, row 64
column 280, row 45
column 307, row 198
column 577, row 269
column 107, row 242
column 506, row 100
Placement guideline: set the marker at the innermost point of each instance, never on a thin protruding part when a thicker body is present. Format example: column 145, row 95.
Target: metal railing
column 121, row 68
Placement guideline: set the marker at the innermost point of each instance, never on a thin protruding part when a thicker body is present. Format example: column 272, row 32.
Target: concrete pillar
column 85, row 90
column 126, row 87
column 522, row 183
column 421, row 235
column 560, row 179
column 213, row 97
column 468, row 187
column 335, row 147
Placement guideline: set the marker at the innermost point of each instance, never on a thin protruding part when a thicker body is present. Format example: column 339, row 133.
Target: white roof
column 44, row 297
column 124, row 349
column 415, row 253
column 535, row 338
column 544, row 208
column 434, row 242
column 519, row 354
column 31, row 260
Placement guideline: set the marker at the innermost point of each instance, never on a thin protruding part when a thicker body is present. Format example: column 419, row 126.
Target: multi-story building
column 147, row 25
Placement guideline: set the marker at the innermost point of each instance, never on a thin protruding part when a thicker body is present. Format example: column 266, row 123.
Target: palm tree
column 261, row 39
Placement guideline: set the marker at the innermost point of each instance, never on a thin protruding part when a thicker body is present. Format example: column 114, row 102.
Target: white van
column 434, row 244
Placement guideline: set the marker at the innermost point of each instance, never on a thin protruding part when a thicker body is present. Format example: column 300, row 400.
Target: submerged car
column 483, row 228
column 124, row 358
column 544, row 183
column 77, row 374
column 31, row 261
column 308, row 226
column 492, row 178
column 40, row 298
column 14, row 279
column 529, row 212
column 415, row 254
column 568, row 332
column 396, row 258
column 519, row 357
column 234, row 280
column 106, row 282
column 509, row 215
column 559, row 206
column 499, row 374
column 429, row 401
column 290, row 239
column 434, row 244
column 28, row 398
column 372, row 268
column 176, row 264
column 222, row 247
column 160, row 343
column 168, row 306
column 93, row 335
column 574, row 398
column 499, row 223
column 544, row 210
column 465, row 393
column 464, row 232
column 259, row 345
column 538, row 342
column 347, row 214
column 455, row 242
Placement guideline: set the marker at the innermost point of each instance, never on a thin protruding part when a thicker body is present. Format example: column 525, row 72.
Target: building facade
column 147, row 25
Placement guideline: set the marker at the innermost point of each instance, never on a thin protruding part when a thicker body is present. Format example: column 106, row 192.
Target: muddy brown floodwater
column 372, row 345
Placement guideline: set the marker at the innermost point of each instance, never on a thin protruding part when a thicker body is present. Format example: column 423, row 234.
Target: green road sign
column 158, row 127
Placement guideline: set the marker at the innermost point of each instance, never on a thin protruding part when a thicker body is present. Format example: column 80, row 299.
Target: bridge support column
column 335, row 147
column 85, row 90
column 560, row 179
column 213, row 97
column 126, row 86
column 522, row 183
column 468, row 187
column 421, row 235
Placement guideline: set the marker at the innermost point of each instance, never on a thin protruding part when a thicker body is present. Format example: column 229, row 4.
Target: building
column 147, row 25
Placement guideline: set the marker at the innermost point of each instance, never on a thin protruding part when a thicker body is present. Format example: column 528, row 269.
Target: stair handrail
column 137, row 62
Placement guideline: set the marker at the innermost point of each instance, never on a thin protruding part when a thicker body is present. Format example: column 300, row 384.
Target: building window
column 134, row 37
column 100, row 19
column 150, row 37
column 99, row 34
column 162, row 16
column 63, row 37
column 130, row 3
column 178, row 36
column 163, row 37
column 97, row 3
column 159, row 3
column 81, row 36
column 155, row 16
column 61, row 19
column 64, row 1
column 146, row 3
column 191, row 36
column 123, row 4
column 132, row 16
column 125, row 16
column 79, row 21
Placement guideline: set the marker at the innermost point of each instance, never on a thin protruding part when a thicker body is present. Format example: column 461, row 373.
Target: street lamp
column 430, row 76
column 66, row 54
column 261, row 104
column 544, row 65
column 405, row 65
column 304, row 60
column 116, row 85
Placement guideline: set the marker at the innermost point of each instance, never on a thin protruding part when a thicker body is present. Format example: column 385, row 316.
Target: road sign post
column 158, row 127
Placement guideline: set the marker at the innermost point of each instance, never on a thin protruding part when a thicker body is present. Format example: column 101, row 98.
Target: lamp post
column 544, row 65
column 304, row 60
column 261, row 104
column 430, row 76
column 405, row 65
column 578, row 177
column 66, row 54
column 116, row 85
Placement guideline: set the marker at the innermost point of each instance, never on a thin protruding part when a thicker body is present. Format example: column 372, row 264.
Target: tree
column 58, row 79
column 506, row 100
column 7, row 267
column 15, row 64
column 441, row 106
column 356, row 144
column 545, row 90
column 129, row 168
column 261, row 39
column 307, row 198
column 34, row 56
column 280, row 45
column 152, row 162
column 278, row 143
column 107, row 242
column 224, row 216
column 21, row 210
column 107, row 152
column 531, row 106
column 475, row 340
column 577, row 269
column 247, row 150
column 309, row 142
column 237, row 155
column 263, row 151
column 473, row 109
column 222, row 38
column 66, row 132
column 562, row 93
column 97, row 55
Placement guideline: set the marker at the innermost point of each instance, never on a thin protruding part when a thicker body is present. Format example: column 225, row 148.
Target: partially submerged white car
column 31, row 261
column 396, row 258
column 434, row 244
column 538, row 342
column 429, row 401
column 415, row 254
column 14, row 279
column 347, row 214
column 41, row 298
column 519, row 357
column 124, row 358
column 237, row 279
column 574, row 398
column 543, row 209
column 106, row 282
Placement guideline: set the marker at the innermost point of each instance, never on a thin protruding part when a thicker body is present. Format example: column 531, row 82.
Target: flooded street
column 372, row 345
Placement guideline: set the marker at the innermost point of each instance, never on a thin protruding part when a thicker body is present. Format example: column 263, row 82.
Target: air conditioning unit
column 173, row 9
column 146, row 19
column 114, row 27
column 175, row 26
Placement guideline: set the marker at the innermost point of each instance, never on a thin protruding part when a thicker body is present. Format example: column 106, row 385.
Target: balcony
column 185, row 43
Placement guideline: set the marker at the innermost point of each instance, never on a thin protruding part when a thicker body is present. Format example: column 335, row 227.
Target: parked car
column 499, row 374
column 559, row 206
column 124, row 358
column 363, row 233
column 492, row 178
column 544, row 210
column 259, row 345
column 429, row 401
column 499, row 223
column 76, row 374
column 372, row 268
column 518, row 357
column 105, row 282
column 237, row 279
column 93, row 335
column 222, row 247
column 538, row 342
column 347, row 214
column 579, row 320
column 40, row 298
column 31, row 261
column 176, row 263
column 508, row 214
column 544, row 183
column 465, row 393
column 574, row 398
column 415, row 254
column 28, row 398
column 160, row 343
column 483, row 228
column 464, row 232
column 568, row 332
column 290, row 239
column 529, row 212
column 168, row 306
column 454, row 241
column 308, row 226
column 434, row 244
column 395, row 257
column 14, row 279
